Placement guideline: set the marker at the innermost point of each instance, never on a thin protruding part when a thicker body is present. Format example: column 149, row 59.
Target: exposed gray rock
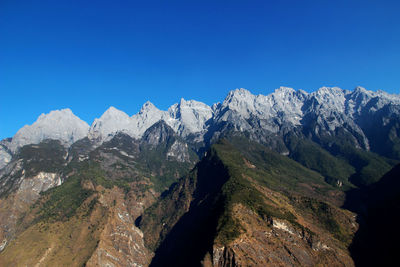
column 5, row 155
column 179, row 152
column 186, row 117
column 60, row 125
column 158, row 133
column 323, row 113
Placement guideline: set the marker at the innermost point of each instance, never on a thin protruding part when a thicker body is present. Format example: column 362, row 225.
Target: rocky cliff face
column 325, row 115
column 5, row 153
column 185, row 118
column 277, row 243
column 24, row 179
column 120, row 242
column 109, row 124
column 160, row 133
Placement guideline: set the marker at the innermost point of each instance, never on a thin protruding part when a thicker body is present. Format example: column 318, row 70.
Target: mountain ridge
column 330, row 107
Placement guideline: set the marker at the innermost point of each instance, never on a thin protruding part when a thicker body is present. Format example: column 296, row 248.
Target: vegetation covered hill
column 238, row 197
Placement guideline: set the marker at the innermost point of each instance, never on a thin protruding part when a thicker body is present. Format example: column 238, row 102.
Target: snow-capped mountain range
column 326, row 109
column 186, row 117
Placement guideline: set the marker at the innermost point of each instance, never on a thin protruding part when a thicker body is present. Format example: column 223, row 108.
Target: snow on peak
column 147, row 116
column 113, row 113
column 360, row 89
column 148, row 107
column 240, row 101
column 284, row 106
column 111, row 122
column 329, row 91
column 384, row 96
column 185, row 118
column 60, row 125
column 284, row 102
column 189, row 116
column 193, row 104
column 238, row 94
column 56, row 113
column 183, row 102
column 395, row 98
column 330, row 98
column 359, row 97
column 284, row 91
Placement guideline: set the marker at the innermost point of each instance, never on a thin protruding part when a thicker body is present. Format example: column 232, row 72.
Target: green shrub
column 61, row 203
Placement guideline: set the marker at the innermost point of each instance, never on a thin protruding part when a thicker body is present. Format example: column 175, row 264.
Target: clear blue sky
column 89, row 55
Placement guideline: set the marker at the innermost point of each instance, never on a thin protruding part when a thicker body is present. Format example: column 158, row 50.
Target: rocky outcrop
column 109, row 124
column 33, row 170
column 121, row 242
column 279, row 243
column 5, row 153
column 326, row 116
column 178, row 151
column 17, row 203
column 158, row 133
column 162, row 135
column 185, row 118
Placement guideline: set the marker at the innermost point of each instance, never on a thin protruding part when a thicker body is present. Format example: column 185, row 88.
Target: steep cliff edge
column 235, row 211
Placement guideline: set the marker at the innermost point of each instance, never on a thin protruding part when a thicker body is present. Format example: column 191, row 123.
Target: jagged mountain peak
column 183, row 102
column 238, row 93
column 192, row 104
column 56, row 113
column 111, row 122
column 148, row 107
column 285, row 107
column 176, row 108
column 147, row 116
column 390, row 97
column 284, row 102
column 284, row 91
column 360, row 89
column 286, row 95
column 215, row 106
column 189, row 116
column 240, row 100
column 329, row 91
column 360, row 98
column 329, row 98
column 60, row 125
column 379, row 93
column 113, row 112
column 158, row 133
